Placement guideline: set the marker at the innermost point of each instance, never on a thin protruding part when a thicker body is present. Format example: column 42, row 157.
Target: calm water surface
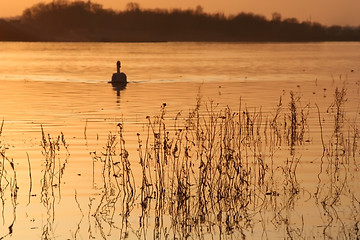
column 62, row 88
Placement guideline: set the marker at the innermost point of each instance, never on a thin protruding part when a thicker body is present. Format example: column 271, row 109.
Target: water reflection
column 117, row 87
column 117, row 183
column 8, row 191
column 212, row 176
column 54, row 167
column 211, row 172
column 338, row 168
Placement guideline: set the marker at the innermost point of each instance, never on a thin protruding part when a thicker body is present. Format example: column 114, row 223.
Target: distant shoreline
column 88, row 22
column 250, row 42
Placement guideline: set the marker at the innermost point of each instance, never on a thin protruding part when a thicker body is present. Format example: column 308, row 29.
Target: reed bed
column 217, row 172
column 55, row 152
column 338, row 169
column 118, row 184
column 8, row 190
column 212, row 172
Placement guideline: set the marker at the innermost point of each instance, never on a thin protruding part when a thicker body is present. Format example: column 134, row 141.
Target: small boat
column 118, row 78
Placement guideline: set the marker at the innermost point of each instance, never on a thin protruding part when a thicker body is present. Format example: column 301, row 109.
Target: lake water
column 297, row 166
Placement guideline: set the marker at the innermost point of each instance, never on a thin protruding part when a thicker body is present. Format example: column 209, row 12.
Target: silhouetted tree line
column 62, row 20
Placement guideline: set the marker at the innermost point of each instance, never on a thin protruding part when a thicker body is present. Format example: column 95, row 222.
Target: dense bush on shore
column 87, row 21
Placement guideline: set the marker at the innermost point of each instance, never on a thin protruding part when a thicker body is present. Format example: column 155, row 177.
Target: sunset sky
column 328, row 12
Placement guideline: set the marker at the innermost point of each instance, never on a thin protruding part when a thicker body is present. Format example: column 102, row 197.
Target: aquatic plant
column 212, row 172
column 213, row 169
column 8, row 188
column 118, row 183
column 53, row 170
column 334, row 185
column 216, row 172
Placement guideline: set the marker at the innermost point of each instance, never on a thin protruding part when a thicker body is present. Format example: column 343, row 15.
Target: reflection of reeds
column 54, row 167
column 214, row 172
column 213, row 169
column 334, row 187
column 118, row 183
column 75, row 234
column 8, row 187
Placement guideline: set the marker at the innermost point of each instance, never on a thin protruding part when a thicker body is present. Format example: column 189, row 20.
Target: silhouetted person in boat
column 119, row 77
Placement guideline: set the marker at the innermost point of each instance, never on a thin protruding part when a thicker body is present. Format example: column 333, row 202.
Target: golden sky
column 328, row 12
